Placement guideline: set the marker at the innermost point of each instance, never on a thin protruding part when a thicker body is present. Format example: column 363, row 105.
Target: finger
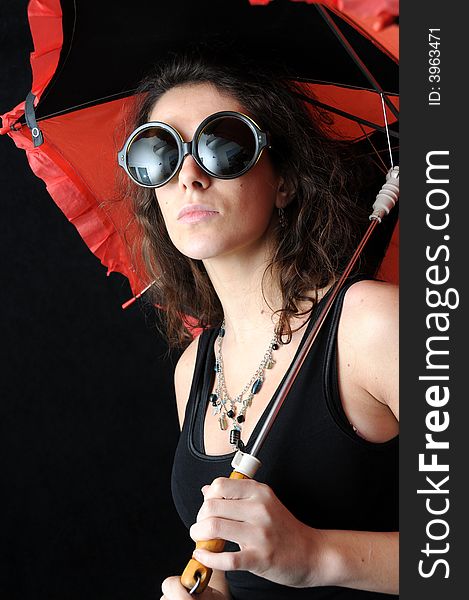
column 223, row 487
column 236, row 510
column 225, row 561
column 214, row 528
column 173, row 589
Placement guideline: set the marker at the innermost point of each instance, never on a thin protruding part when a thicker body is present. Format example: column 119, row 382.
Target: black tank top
column 319, row 468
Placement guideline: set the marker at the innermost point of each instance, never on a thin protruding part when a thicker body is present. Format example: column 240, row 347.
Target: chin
column 201, row 255
column 199, row 251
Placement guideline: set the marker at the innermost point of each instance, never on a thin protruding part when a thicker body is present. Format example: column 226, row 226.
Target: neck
column 237, row 279
column 248, row 298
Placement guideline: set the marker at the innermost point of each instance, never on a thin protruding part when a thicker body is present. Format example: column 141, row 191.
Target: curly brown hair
column 325, row 219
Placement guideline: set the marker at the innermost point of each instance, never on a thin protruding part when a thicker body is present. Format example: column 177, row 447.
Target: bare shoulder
column 183, row 374
column 371, row 311
column 369, row 334
column 369, row 299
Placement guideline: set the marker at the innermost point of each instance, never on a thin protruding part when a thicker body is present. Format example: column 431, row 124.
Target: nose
column 191, row 176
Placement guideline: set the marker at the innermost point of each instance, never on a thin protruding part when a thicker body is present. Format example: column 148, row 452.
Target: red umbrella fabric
column 73, row 150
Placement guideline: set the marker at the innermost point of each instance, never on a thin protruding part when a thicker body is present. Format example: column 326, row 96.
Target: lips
column 193, row 211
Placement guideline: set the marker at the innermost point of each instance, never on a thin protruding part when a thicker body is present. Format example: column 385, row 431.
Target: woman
column 246, row 230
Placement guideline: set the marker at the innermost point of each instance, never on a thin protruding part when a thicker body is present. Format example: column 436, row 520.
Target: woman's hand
column 273, row 543
column 173, row 589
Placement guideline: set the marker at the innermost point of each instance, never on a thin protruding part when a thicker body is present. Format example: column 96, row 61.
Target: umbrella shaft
column 296, row 366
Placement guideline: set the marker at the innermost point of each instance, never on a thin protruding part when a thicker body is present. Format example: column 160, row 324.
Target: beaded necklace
column 235, row 408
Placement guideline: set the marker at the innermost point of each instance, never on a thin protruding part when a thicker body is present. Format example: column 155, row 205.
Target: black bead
column 274, row 346
column 213, row 399
column 240, row 418
column 256, row 386
column 230, row 414
column 216, row 368
column 235, row 436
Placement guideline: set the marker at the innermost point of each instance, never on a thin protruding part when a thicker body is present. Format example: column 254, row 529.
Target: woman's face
column 230, row 215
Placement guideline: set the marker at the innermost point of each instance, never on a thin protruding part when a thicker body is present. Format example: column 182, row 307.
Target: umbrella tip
column 129, row 302
column 132, row 300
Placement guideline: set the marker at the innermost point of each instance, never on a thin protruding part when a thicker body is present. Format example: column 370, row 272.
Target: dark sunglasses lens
column 152, row 157
column 226, row 146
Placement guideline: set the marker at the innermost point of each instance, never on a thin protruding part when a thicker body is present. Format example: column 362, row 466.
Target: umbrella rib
column 378, row 165
column 342, row 85
column 354, row 56
column 374, row 148
column 387, row 132
column 83, row 105
column 303, row 97
column 347, row 115
column 132, row 91
column 376, row 151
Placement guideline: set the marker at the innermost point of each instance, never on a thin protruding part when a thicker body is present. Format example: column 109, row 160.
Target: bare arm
column 369, row 336
column 363, row 560
column 368, row 560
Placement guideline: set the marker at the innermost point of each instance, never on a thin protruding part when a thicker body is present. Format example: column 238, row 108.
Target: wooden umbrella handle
column 195, row 570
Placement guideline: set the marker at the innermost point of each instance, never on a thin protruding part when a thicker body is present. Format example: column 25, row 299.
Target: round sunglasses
column 225, row 145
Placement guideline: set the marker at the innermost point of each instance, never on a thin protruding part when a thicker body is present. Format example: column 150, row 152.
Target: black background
column 88, row 423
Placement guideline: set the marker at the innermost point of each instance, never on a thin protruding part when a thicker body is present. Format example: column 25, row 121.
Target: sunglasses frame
column 185, row 148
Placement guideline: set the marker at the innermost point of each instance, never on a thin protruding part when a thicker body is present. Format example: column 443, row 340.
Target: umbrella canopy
column 89, row 57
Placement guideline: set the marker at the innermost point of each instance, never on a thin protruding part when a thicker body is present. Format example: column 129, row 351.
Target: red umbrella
column 74, row 120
